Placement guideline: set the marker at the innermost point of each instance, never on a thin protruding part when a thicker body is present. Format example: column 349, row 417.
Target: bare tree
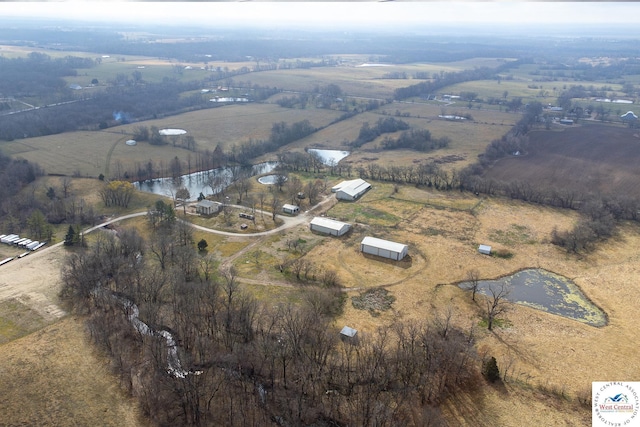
column 183, row 196
column 473, row 276
column 497, row 302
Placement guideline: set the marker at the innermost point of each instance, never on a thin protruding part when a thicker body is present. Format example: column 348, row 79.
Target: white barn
column 290, row 209
column 351, row 190
column 329, row 226
column 208, row 207
column 383, row 248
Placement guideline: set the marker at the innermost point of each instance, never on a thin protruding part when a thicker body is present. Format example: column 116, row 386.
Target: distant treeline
column 112, row 106
column 40, row 76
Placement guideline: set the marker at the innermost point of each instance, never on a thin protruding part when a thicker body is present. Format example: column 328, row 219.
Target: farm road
column 35, row 279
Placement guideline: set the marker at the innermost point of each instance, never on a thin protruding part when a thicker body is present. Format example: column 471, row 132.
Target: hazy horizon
column 421, row 16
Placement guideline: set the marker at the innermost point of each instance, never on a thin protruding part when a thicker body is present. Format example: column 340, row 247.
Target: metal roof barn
column 329, row 226
column 351, row 190
column 383, row 248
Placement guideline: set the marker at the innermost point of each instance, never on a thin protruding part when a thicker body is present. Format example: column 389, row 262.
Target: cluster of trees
column 384, row 125
column 248, row 363
column 415, row 139
column 281, row 134
column 117, row 193
column 39, row 76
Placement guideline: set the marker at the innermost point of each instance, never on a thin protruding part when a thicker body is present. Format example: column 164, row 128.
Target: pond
column 329, row 157
column 200, row 182
column 546, row 291
column 268, row 179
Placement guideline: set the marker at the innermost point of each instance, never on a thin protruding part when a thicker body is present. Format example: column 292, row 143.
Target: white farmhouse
column 383, row 248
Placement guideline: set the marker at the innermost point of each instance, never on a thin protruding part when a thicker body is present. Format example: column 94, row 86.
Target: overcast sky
column 336, row 13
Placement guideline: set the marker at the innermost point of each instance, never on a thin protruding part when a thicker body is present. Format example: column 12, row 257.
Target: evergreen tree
column 70, row 237
column 490, row 370
column 202, row 245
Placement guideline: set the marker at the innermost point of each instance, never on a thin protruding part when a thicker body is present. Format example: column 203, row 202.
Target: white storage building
column 351, row 190
column 208, row 207
column 290, row 209
column 329, row 226
column 484, row 249
column 383, row 248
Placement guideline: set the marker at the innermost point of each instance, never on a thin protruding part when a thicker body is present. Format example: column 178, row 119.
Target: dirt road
column 35, row 279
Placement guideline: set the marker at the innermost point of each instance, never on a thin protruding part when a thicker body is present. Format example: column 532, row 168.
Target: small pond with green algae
column 547, row 291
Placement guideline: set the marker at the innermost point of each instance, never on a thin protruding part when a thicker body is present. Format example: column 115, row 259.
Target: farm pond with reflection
column 546, row 291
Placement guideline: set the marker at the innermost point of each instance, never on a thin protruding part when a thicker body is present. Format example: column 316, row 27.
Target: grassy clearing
column 54, row 377
column 17, row 320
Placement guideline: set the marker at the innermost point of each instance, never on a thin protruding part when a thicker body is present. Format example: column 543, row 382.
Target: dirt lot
column 588, row 158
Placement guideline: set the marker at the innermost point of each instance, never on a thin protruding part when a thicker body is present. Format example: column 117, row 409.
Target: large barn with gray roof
column 383, row 248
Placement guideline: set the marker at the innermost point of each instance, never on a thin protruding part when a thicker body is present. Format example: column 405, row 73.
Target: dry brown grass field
column 586, row 158
column 93, row 153
column 354, row 81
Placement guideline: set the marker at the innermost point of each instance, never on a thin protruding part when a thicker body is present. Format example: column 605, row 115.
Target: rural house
column 383, row 248
column 207, row 207
column 329, row 226
column 351, row 190
column 290, row 209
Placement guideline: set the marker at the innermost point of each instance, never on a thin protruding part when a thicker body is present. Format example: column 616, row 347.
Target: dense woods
column 242, row 362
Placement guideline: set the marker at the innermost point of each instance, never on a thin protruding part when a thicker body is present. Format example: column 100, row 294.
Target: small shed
column 348, row 332
column 329, row 226
column 131, row 142
column 208, row 207
column 484, row 249
column 383, row 248
column 351, row 190
column 290, row 209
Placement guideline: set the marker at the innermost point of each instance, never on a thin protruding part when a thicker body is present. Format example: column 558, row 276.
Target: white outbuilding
column 290, row 209
column 484, row 249
column 383, row 248
column 351, row 190
column 208, row 207
column 329, row 226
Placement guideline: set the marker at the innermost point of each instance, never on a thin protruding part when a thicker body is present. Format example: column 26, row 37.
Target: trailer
column 39, row 246
column 3, row 262
column 21, row 242
column 22, row 255
column 32, row 245
column 25, row 243
column 7, row 239
column 12, row 239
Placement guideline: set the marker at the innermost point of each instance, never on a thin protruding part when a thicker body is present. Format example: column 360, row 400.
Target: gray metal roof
column 383, row 244
column 328, row 223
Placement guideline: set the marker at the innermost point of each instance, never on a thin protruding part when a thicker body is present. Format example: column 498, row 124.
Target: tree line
column 247, row 362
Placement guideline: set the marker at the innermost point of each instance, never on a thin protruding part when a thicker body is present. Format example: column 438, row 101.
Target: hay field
column 540, row 349
column 92, row 153
column 54, row 377
column 354, row 81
